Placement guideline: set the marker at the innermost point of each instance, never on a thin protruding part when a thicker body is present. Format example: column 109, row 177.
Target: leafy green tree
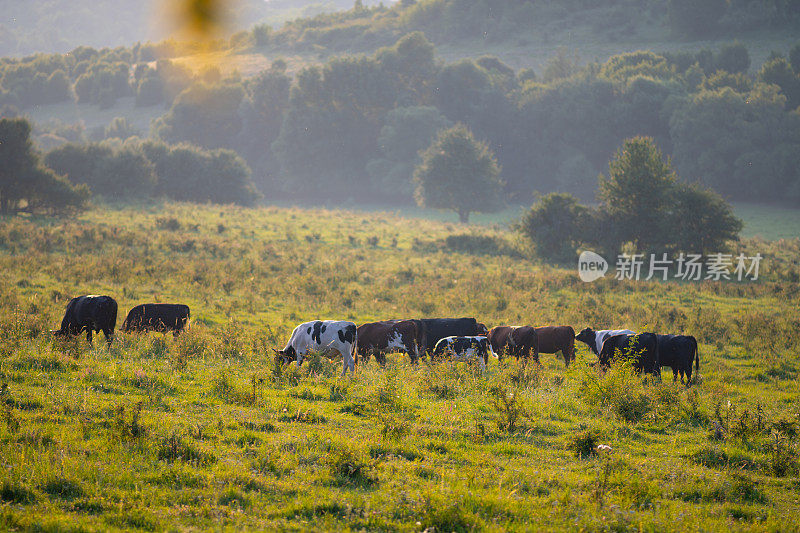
column 103, row 83
column 25, row 184
column 407, row 131
column 732, row 58
column 459, row 173
column 189, row 173
column 556, row 225
column 702, row 221
column 331, row 126
column 738, row 82
column 731, row 142
column 263, row 111
column 411, row 63
column 636, row 193
column 117, row 172
column 205, row 115
column 779, row 72
column 794, row 57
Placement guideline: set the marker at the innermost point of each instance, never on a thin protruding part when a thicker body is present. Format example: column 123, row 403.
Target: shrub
column 349, row 468
column 584, row 443
column 509, row 407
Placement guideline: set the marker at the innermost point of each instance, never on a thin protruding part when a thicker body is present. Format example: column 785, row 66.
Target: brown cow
column 516, row 341
column 380, row 338
column 557, row 338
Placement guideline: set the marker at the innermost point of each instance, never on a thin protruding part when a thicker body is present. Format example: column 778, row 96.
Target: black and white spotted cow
column 465, row 349
column 324, row 336
column 595, row 338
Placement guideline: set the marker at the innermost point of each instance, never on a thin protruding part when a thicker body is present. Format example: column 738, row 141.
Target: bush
column 584, row 443
column 555, row 225
column 349, row 468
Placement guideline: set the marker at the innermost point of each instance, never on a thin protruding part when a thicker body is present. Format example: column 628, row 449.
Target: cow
column 465, row 348
column 643, row 347
column 436, row 329
column 594, row 339
column 553, row 339
column 90, row 313
column 157, row 317
column 380, row 338
column 516, row 341
column 325, row 336
column 678, row 352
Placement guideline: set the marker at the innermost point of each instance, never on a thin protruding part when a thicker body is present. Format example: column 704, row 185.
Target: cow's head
column 285, row 356
column 482, row 329
column 586, row 335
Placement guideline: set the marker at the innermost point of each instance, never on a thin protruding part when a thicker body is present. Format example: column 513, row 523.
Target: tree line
column 499, row 21
column 65, row 178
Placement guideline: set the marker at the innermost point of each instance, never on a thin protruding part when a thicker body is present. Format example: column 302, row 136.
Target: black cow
column 157, row 317
column 439, row 328
column 643, row 346
column 678, row 352
column 90, row 313
column 465, row 348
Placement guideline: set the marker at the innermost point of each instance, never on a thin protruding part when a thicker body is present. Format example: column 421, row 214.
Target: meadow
column 204, row 431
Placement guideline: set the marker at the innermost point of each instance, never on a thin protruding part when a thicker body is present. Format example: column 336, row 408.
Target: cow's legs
column 89, row 335
column 109, row 335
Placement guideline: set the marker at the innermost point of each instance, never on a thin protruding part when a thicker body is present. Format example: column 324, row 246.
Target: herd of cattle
column 457, row 338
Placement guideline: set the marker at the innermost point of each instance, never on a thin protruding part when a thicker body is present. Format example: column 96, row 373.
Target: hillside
column 60, row 25
column 204, row 431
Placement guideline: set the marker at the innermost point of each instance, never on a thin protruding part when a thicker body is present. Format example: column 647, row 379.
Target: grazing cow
column 90, row 313
column 516, row 341
column 553, row 339
column 436, row 329
column 595, row 339
column 678, row 352
column 380, row 338
column 157, row 317
column 465, row 348
column 325, row 336
column 643, row 345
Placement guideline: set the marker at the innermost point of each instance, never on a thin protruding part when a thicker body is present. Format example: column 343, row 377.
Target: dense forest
column 354, row 127
column 519, row 22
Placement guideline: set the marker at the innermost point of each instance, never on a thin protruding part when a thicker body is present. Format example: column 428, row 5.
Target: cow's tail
column 696, row 356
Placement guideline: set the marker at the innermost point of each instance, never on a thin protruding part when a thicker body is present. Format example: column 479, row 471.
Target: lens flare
column 202, row 25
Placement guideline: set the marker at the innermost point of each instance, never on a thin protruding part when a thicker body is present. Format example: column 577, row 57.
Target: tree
column 733, row 58
column 702, row 221
column 205, row 115
column 779, row 72
column 406, row 132
column 459, row 173
column 25, row 184
column 556, row 225
column 636, row 193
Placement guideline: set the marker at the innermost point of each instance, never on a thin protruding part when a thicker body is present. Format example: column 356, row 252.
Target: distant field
column 204, row 432
column 767, row 222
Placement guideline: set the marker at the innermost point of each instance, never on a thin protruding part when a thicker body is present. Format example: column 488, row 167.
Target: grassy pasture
column 204, row 432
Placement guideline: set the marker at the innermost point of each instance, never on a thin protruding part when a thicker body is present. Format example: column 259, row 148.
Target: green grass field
column 204, row 432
